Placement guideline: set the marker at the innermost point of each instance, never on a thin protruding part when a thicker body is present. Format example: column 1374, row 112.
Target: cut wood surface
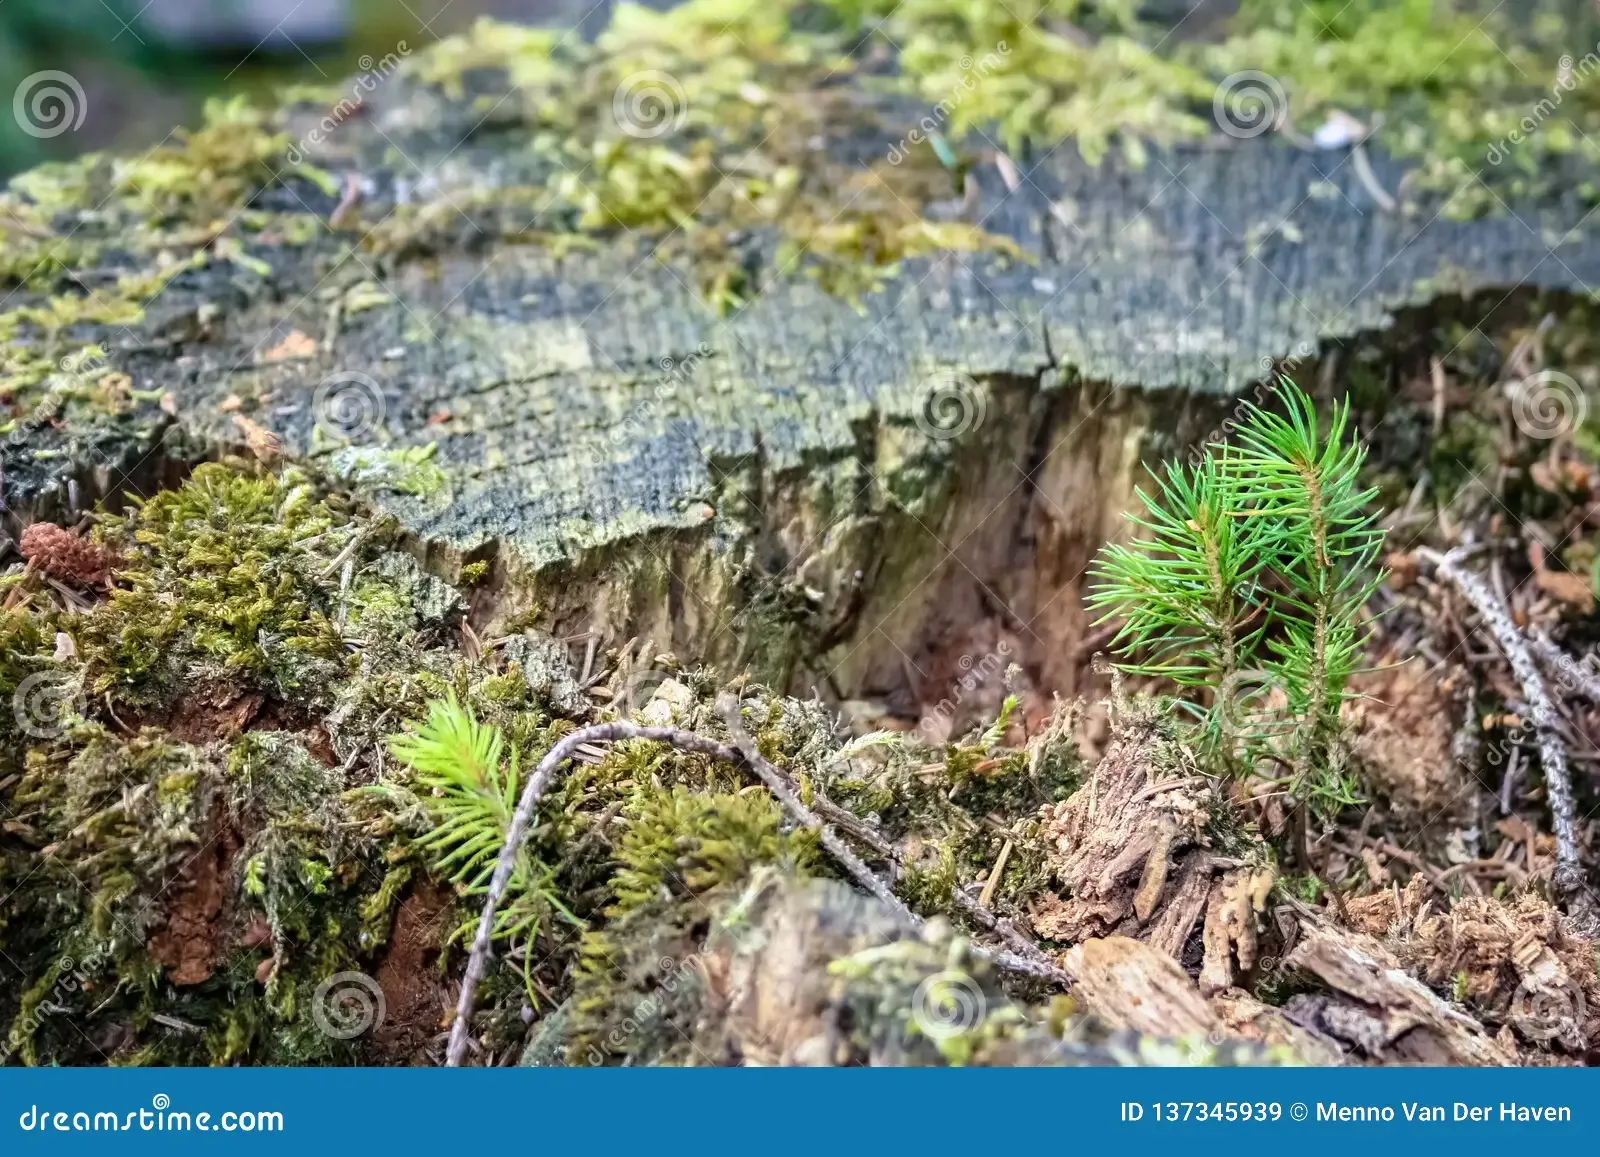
column 631, row 462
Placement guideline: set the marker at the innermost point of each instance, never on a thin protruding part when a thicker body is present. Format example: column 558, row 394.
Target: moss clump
column 212, row 169
column 214, row 889
column 681, row 843
column 174, row 901
column 291, row 804
column 225, row 572
column 636, row 988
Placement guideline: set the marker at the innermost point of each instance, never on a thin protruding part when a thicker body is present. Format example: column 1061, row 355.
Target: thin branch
column 778, row 784
column 1568, row 875
column 538, row 783
column 1028, row 957
column 1029, row 960
column 1573, row 676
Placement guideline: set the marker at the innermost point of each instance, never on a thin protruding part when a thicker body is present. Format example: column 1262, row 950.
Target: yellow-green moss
column 682, row 843
column 227, row 569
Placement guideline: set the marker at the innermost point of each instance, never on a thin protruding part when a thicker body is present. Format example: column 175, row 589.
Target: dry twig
column 1568, row 876
column 1028, row 960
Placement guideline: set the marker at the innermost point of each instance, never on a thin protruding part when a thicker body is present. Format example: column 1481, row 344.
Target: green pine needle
column 470, row 791
column 1249, row 577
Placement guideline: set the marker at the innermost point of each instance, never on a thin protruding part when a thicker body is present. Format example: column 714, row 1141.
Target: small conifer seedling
column 469, row 787
column 1248, row 581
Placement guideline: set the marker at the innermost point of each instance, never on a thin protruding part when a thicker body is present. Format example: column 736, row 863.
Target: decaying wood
column 812, row 972
column 1377, row 1008
column 1249, row 1019
column 1131, row 859
column 1132, row 985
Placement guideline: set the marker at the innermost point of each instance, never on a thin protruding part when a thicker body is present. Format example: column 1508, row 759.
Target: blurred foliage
column 139, row 86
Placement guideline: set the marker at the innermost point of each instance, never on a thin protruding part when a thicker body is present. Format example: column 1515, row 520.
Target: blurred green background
column 145, row 66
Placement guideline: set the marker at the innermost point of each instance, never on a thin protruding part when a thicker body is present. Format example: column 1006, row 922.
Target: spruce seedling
column 1248, row 579
column 470, row 790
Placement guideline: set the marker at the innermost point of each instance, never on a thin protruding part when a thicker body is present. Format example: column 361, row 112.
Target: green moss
column 138, row 828
column 210, row 170
column 227, row 594
column 405, row 471
column 682, row 843
column 226, row 571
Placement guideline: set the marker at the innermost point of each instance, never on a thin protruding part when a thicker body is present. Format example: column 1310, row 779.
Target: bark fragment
column 1379, row 1009
column 1132, row 858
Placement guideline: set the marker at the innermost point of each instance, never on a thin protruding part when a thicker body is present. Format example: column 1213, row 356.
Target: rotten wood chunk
column 787, row 971
column 1379, row 1009
column 1131, row 985
column 1131, row 855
